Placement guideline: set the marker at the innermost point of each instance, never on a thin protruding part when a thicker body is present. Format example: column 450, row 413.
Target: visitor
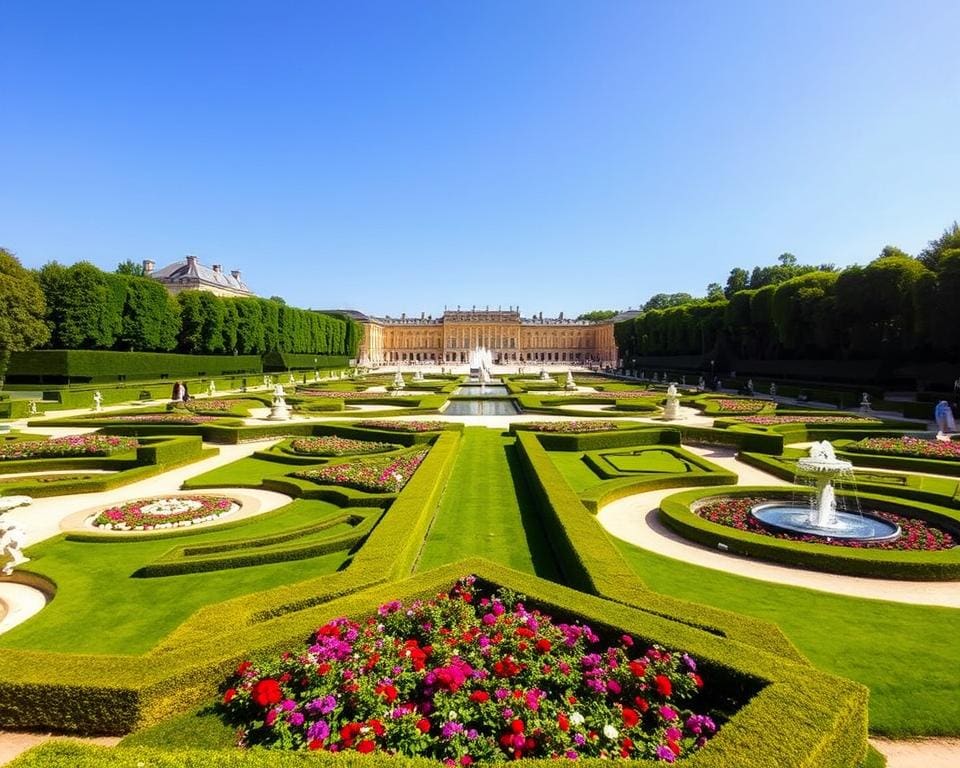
column 179, row 390
column 186, row 392
column 943, row 415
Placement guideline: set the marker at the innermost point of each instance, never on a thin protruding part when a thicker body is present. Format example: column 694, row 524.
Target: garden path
column 634, row 519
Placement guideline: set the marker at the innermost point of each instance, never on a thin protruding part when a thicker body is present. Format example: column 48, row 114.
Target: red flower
column 376, row 726
column 625, row 747
column 228, row 695
column 388, row 692
column 267, row 692
column 642, row 704
column 365, row 747
column 630, row 717
column 674, row 747
column 315, row 744
column 543, row 645
column 517, row 726
column 698, row 681
column 663, row 685
column 638, row 668
column 423, row 725
column 563, row 722
column 479, row 696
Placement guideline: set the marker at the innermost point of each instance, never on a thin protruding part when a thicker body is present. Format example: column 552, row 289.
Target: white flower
column 576, row 718
column 452, row 715
column 610, row 732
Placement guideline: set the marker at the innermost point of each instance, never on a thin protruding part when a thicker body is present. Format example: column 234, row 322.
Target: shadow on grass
column 544, row 563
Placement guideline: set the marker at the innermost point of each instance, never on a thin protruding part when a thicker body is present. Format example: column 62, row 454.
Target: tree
column 738, row 280
column 86, row 305
column 22, row 324
column 715, row 292
column 664, row 300
column 787, row 260
column 129, row 267
column 932, row 255
column 598, row 315
column 279, row 300
column 151, row 318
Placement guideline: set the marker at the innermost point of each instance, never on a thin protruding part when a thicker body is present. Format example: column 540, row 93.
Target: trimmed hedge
column 676, row 513
column 593, row 441
column 290, row 361
column 52, row 365
column 802, row 717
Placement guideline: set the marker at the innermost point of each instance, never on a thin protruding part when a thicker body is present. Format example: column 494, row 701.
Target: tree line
column 82, row 307
column 898, row 308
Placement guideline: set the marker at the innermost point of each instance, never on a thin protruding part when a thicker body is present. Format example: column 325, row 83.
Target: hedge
column 591, row 563
column 800, row 716
column 54, row 365
column 290, row 361
column 677, row 513
column 591, row 441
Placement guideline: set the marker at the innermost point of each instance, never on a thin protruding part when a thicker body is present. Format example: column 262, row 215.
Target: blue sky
column 400, row 156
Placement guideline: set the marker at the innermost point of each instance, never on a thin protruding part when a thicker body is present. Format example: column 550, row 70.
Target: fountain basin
column 789, row 518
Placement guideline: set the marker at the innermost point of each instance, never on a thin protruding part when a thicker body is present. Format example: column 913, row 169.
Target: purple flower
column 666, row 754
column 318, row 730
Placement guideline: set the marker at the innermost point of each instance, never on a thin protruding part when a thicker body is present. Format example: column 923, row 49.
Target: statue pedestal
column 671, row 410
column 279, row 412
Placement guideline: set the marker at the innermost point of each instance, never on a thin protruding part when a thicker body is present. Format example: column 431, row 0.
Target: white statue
column 683, row 381
column 672, row 389
column 655, row 379
column 398, row 382
column 279, row 411
column 97, row 401
column 702, row 384
column 822, row 451
column 211, row 388
column 570, row 383
column 750, row 385
column 865, row 403
column 773, row 389
column 33, row 408
column 278, row 394
column 12, row 540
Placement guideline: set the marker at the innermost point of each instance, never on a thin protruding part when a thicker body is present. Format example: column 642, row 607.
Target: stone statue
column 279, row 411
column 211, row 388
column 278, row 394
column 672, row 390
column 33, row 408
column 822, row 451
column 773, row 389
column 750, row 386
column 865, row 403
column 292, row 379
column 97, row 401
column 12, row 540
column 702, row 384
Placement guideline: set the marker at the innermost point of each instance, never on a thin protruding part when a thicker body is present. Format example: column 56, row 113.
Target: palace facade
column 450, row 338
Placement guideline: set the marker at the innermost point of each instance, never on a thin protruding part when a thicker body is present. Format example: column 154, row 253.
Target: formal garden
column 373, row 576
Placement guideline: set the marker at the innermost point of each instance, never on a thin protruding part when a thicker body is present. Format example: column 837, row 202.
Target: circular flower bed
column 403, row 426
column 331, row 445
column 470, row 677
column 374, row 476
column 916, row 535
column 166, row 512
column 800, row 419
column 570, row 427
column 72, row 445
column 908, row 446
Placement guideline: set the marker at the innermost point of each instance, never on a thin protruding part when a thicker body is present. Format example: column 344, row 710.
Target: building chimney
column 148, row 266
column 191, row 262
column 235, row 274
column 217, row 269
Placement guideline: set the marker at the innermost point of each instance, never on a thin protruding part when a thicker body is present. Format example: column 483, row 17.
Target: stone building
column 190, row 274
column 449, row 339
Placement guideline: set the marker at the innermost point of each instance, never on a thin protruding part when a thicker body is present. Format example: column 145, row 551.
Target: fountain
column 671, row 409
column 821, row 517
column 280, row 411
column 570, row 383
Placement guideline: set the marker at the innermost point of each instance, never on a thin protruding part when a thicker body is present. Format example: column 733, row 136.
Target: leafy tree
column 190, row 339
column 715, row 292
column 129, row 267
column 151, row 318
column 250, row 330
column 933, row 254
column 87, row 305
column 22, row 324
column 664, row 300
column 804, row 311
column 598, row 315
column 214, row 320
column 738, row 280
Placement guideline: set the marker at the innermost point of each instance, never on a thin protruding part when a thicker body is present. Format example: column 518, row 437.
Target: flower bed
column 402, row 426
column 908, row 446
column 375, row 476
column 570, row 427
column 337, row 446
column 167, row 512
column 470, row 677
column 161, row 418
column 209, row 405
column 799, row 419
column 343, row 395
column 916, row 535
column 729, row 405
column 72, row 445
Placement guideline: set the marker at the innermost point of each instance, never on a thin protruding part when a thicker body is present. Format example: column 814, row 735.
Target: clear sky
column 402, row 156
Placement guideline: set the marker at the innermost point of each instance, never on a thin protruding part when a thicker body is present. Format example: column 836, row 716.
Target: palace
column 450, row 338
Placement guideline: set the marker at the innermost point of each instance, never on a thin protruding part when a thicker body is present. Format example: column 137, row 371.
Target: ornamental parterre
column 729, row 405
column 570, row 426
column 331, row 445
column 165, row 512
column 403, row 426
column 343, row 395
column 908, row 446
column 373, row 475
column 173, row 417
column 916, row 535
column 72, row 445
column 470, row 676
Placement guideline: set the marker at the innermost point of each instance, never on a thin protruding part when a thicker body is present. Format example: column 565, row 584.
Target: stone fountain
column 821, row 516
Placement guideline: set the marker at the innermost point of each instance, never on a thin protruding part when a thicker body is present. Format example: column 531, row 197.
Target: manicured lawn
column 486, row 510
column 909, row 656
column 650, row 460
column 101, row 608
column 576, row 472
column 247, row 472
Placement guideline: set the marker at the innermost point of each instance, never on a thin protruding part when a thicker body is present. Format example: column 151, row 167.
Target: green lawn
column 101, row 608
column 487, row 511
column 650, row 460
column 908, row 656
column 573, row 468
column 245, row 472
